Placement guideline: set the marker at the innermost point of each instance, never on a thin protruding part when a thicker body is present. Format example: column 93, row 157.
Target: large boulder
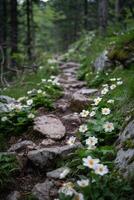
column 42, row 190
column 79, row 102
column 48, row 156
column 22, row 145
column 102, row 62
column 49, row 126
column 125, row 155
column 6, row 99
column 59, row 173
column 15, row 195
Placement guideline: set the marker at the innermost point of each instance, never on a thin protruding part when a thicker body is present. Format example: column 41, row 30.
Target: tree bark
column 29, row 29
column 13, row 29
column 3, row 27
column 86, row 14
column 103, row 16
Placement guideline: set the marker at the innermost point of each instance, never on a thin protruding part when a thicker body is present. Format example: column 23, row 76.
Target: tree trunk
column 29, row 29
column 13, row 30
column 86, row 14
column 3, row 28
column 103, row 16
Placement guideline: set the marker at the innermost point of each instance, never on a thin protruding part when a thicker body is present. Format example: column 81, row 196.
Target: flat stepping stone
column 15, row 195
column 72, row 118
column 59, row 173
column 79, row 102
column 42, row 190
column 87, row 91
column 21, row 145
column 70, row 65
column 49, row 126
column 48, row 156
column 62, row 105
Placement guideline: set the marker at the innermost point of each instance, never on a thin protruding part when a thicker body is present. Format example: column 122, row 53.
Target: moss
column 128, row 144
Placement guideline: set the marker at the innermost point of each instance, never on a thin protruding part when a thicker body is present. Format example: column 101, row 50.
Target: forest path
column 56, row 137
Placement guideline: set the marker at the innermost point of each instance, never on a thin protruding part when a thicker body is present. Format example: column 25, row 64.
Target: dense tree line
column 28, row 25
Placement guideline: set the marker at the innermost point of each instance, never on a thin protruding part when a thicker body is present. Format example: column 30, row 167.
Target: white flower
column 49, row 80
column 43, row 80
column 41, row 67
column 52, row 77
column 94, row 108
column 31, row 116
column 11, row 106
column 44, row 93
column 97, row 100
column 91, row 142
column 106, row 111
column 29, row 92
column 113, row 86
column 64, row 173
column 71, row 140
column 110, row 101
column 107, row 74
column 118, row 79
column 18, row 107
column 3, row 119
column 51, row 61
column 84, row 113
column 83, row 128
column 29, row 102
column 55, row 82
column 105, row 91
column 79, row 196
column 119, row 82
column 21, row 99
column 83, row 182
column 90, row 162
column 113, row 79
column 39, row 91
column 92, row 113
column 101, row 169
column 66, row 191
column 108, row 127
column 105, row 85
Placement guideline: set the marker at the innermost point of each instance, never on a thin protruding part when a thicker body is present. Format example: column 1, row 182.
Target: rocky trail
column 51, row 131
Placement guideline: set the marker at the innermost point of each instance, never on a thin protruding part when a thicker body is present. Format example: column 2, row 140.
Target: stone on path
column 59, row 173
column 21, row 145
column 87, row 91
column 72, row 118
column 14, row 196
column 49, row 126
column 42, row 190
column 47, row 142
column 62, row 105
column 79, row 102
column 48, row 156
column 125, row 155
column 70, row 65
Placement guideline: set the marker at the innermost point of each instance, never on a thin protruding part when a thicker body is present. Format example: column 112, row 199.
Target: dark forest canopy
column 28, row 27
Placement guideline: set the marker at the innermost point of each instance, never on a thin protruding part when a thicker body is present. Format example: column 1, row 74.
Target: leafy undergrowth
column 28, row 81
column 18, row 116
column 94, row 175
column 8, row 169
column 93, row 171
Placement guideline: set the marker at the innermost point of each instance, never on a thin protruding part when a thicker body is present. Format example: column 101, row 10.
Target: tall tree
column 3, row 27
column 86, row 14
column 29, row 13
column 13, row 29
column 103, row 16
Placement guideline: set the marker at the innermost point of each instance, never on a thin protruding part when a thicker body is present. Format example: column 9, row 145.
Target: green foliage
column 123, row 48
column 8, row 166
